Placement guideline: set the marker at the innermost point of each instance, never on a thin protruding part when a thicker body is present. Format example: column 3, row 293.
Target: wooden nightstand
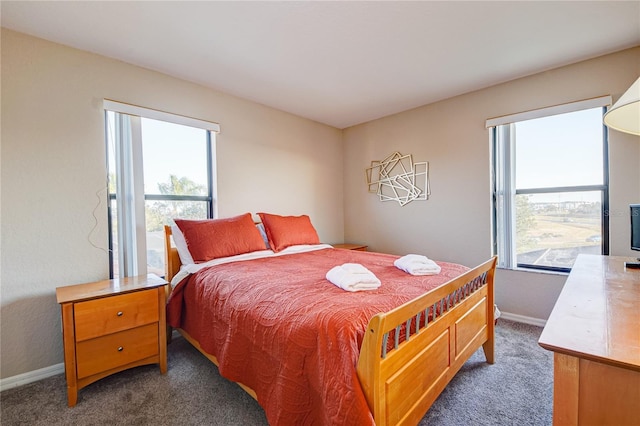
column 358, row 247
column 112, row 325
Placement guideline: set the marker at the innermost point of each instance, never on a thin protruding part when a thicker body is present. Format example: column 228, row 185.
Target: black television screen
column 635, row 227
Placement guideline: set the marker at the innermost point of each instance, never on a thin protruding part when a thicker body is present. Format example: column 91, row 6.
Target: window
column 550, row 185
column 160, row 166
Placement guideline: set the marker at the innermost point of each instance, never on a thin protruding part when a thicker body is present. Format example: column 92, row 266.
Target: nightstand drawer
column 114, row 350
column 98, row 317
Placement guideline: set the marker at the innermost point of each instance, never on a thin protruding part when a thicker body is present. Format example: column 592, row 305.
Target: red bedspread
column 278, row 326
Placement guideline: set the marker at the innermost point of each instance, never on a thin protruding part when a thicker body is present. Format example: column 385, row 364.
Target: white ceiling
column 339, row 63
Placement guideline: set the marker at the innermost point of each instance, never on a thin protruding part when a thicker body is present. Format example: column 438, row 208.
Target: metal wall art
column 398, row 178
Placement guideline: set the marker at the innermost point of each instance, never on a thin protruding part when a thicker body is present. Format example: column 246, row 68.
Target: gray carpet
column 516, row 390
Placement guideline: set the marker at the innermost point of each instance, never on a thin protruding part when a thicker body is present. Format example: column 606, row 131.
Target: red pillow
column 215, row 238
column 285, row 231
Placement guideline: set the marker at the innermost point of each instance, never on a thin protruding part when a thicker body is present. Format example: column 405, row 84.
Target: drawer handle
column 120, row 348
column 119, row 313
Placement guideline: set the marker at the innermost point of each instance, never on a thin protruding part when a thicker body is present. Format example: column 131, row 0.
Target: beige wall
column 454, row 224
column 53, row 176
column 52, row 173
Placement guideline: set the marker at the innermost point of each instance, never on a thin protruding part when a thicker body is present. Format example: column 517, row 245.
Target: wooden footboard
column 401, row 379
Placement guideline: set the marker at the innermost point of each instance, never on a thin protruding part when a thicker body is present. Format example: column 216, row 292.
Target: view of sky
column 172, row 149
column 167, row 149
column 560, row 150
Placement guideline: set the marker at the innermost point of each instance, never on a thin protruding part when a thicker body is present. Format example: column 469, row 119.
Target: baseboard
column 43, row 373
column 31, row 376
column 524, row 319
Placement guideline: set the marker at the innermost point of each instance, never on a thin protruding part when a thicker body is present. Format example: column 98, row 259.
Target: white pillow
column 181, row 246
column 263, row 233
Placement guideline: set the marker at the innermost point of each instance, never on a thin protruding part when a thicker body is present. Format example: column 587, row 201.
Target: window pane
column 160, row 213
column 115, row 266
column 175, row 159
column 560, row 150
column 552, row 229
column 153, row 160
column 111, row 150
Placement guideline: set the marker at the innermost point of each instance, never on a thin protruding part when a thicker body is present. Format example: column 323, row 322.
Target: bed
column 310, row 352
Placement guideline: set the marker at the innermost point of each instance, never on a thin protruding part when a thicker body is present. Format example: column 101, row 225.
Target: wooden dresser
column 112, row 325
column 594, row 332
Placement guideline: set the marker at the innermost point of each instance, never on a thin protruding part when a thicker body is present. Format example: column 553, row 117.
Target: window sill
column 535, row 271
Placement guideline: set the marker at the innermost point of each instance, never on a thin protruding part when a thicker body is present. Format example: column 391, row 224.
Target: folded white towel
column 353, row 277
column 416, row 264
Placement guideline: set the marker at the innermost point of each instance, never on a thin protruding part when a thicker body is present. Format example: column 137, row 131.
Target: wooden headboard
column 171, row 258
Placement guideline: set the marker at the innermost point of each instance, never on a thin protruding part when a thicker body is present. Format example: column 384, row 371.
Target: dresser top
column 597, row 315
column 94, row 290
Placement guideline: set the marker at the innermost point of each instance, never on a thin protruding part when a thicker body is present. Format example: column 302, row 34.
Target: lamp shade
column 624, row 115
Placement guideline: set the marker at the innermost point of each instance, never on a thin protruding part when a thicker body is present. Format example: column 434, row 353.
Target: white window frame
column 132, row 246
column 503, row 179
